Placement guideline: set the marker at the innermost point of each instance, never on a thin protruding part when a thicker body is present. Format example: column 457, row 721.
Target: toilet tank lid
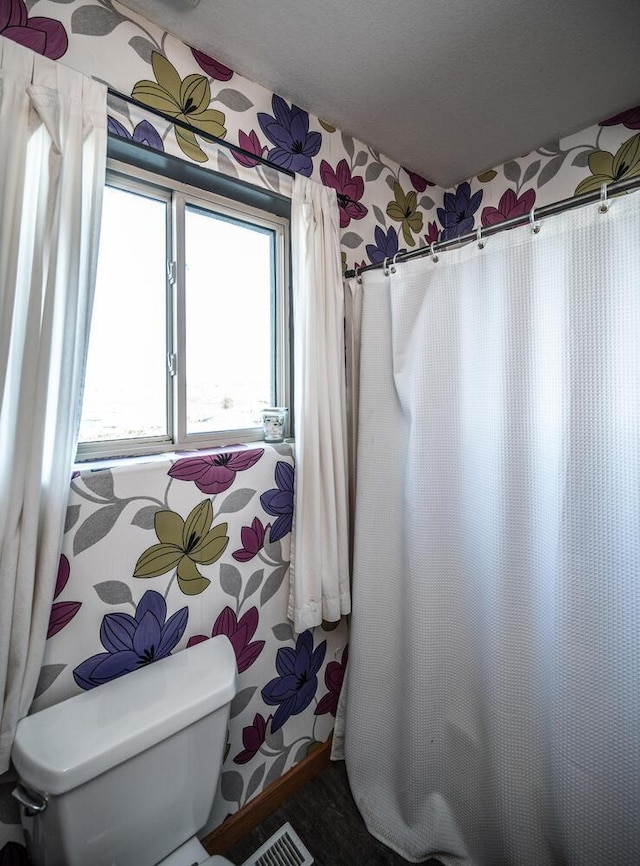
column 76, row 740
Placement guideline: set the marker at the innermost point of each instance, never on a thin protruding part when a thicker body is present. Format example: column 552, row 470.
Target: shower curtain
column 493, row 704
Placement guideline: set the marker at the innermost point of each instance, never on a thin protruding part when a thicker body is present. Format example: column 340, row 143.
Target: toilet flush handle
column 33, row 802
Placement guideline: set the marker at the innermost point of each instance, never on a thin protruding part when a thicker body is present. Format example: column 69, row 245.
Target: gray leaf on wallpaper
column 380, row 217
column 302, row 752
column 143, row 48
column 361, row 158
column 113, row 592
column 233, row 99
column 276, row 769
column 347, row 143
column 95, row 20
column 237, row 500
column 512, row 171
column 96, row 526
column 48, row 675
column 351, row 240
column 391, row 181
column 531, row 171
column 426, row 203
column 230, row 580
column 9, row 808
column 100, row 482
column 231, row 785
column 285, row 449
column 71, row 517
column 254, row 781
column 145, row 518
column 581, row 160
column 551, row 169
column 241, row 701
column 273, row 549
column 118, row 105
column 226, row 166
column 273, row 583
column 283, row 632
column 373, row 172
column 253, row 584
column 274, row 741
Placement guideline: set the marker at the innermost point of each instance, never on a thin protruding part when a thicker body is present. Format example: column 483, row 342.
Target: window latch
column 171, row 363
column 171, row 272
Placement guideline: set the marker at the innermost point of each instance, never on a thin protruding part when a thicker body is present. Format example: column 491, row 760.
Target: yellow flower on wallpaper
column 184, row 544
column 405, row 211
column 186, row 100
column 607, row 168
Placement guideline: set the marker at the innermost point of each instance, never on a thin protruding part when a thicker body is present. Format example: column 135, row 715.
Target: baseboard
column 244, row 820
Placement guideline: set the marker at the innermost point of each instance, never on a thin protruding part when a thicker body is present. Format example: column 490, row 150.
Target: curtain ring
column 604, row 203
column 481, row 242
column 535, row 227
column 385, row 269
column 393, row 263
column 434, row 257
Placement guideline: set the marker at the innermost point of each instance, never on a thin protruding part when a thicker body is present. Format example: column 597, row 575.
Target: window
column 189, row 334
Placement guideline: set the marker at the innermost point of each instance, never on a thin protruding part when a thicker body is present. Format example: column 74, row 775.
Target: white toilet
column 125, row 774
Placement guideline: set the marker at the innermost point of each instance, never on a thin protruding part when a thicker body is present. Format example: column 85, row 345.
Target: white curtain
column 494, row 680
column 52, row 153
column 320, row 546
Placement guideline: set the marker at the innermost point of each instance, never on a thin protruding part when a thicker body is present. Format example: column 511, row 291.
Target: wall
column 384, row 208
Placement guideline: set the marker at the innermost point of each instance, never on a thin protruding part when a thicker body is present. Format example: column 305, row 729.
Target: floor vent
column 284, row 848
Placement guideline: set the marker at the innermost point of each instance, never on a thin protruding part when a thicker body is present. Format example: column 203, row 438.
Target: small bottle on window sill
column 274, row 422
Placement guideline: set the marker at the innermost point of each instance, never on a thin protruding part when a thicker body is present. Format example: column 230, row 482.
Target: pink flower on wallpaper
column 42, row 35
column 630, row 119
column 418, row 182
column 252, row 538
column 62, row 612
column 239, row 631
column 253, row 736
column 211, row 66
column 251, row 143
column 349, row 190
column 433, row 233
column 509, row 207
column 213, row 473
column 333, row 679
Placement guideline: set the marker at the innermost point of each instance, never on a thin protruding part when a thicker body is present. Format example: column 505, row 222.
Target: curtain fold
column 493, row 688
column 53, row 152
column 319, row 546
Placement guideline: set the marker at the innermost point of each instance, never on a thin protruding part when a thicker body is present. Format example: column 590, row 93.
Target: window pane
column 228, row 314
column 125, row 386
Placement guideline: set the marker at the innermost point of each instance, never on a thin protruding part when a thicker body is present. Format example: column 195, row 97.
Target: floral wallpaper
column 205, row 564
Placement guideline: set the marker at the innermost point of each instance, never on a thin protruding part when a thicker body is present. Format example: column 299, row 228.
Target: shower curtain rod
column 212, row 138
column 555, row 208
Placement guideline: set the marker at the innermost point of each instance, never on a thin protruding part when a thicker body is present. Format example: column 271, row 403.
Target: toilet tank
column 129, row 769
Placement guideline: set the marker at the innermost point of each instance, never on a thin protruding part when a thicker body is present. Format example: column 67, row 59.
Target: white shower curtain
column 493, row 712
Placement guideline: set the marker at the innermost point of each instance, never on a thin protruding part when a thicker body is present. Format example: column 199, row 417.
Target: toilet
column 126, row 774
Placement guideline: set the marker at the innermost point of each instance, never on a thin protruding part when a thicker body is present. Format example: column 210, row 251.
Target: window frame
column 178, row 196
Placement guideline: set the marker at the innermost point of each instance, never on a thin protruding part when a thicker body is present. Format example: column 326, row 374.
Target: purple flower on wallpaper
column 288, row 130
column 133, row 641
column 62, row 612
column 349, row 190
column 295, row 687
column 510, row 206
column 433, row 233
column 279, row 502
column 385, row 247
column 251, row 143
column 143, row 133
column 253, row 737
column 457, row 214
column 418, row 182
column 214, row 473
column 252, row 538
column 42, row 35
column 239, row 631
column 14, row 854
column 629, row 118
column 211, row 66
column 333, row 679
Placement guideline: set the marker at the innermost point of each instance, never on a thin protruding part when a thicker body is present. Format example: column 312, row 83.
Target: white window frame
column 178, row 196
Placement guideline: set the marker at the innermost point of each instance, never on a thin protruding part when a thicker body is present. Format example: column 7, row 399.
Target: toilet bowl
column 126, row 774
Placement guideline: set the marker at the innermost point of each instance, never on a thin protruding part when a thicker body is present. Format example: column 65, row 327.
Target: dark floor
column 325, row 817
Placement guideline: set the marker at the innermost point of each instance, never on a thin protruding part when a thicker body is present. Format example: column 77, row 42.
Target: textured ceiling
column 447, row 88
